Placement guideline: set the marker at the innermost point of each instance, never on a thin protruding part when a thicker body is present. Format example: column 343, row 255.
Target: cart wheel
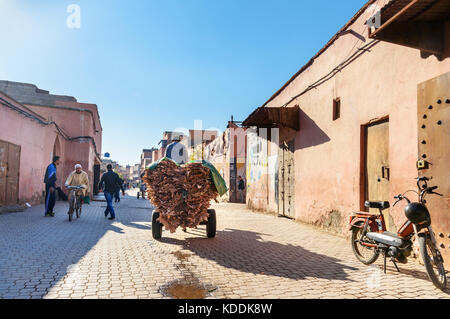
column 211, row 225
column 156, row 226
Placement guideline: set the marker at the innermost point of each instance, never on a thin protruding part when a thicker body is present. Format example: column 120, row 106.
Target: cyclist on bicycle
column 78, row 178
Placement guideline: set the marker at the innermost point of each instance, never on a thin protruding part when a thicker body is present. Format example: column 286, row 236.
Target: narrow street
column 253, row 256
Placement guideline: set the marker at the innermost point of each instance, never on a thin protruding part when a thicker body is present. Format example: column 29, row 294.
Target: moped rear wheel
column 211, row 224
column 432, row 259
column 366, row 255
column 156, row 226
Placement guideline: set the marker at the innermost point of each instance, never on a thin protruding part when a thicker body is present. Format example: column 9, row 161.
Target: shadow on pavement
column 416, row 274
column 246, row 251
column 37, row 252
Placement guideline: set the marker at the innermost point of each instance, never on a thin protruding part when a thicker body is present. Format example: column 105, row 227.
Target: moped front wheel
column 366, row 255
column 432, row 259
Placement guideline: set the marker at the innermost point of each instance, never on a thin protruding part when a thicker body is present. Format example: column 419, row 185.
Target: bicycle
column 75, row 201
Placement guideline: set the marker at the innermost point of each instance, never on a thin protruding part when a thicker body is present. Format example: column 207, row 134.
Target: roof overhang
column 268, row 117
column 419, row 24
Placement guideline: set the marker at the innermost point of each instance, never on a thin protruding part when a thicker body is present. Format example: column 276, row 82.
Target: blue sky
column 154, row 66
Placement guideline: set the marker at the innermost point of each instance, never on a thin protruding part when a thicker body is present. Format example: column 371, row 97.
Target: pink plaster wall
column 76, row 123
column 36, row 142
column 382, row 82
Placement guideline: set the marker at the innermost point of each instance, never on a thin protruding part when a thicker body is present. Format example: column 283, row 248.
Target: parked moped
column 370, row 238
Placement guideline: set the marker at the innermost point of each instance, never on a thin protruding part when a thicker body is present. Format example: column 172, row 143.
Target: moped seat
column 379, row 205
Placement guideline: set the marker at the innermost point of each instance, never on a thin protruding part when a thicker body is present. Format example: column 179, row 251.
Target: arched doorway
column 56, row 148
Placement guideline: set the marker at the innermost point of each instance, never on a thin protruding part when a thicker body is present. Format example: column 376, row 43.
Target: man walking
column 50, row 186
column 112, row 184
column 241, row 188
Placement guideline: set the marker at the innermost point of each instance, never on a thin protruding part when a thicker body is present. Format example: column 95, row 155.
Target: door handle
column 385, row 172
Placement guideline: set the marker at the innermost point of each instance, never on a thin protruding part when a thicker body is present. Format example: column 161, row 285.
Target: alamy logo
column 373, row 280
column 74, row 275
column 375, row 16
column 74, row 19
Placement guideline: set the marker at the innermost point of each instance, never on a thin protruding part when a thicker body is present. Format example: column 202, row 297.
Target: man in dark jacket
column 50, row 186
column 112, row 184
column 117, row 192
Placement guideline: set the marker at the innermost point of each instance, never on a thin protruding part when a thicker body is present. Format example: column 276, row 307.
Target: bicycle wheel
column 432, row 259
column 366, row 255
column 72, row 207
column 78, row 209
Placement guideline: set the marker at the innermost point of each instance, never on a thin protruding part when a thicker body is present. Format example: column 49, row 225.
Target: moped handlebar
column 423, row 189
column 399, row 198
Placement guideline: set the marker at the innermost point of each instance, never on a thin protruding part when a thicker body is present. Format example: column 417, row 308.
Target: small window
column 336, row 109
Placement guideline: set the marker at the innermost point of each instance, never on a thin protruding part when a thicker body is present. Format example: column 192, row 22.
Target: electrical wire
column 350, row 57
column 336, row 70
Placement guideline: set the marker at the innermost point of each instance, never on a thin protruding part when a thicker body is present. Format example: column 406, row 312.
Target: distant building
column 146, row 158
column 198, row 140
column 228, row 153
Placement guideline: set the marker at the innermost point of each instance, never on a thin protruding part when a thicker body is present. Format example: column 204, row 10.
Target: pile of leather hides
column 181, row 194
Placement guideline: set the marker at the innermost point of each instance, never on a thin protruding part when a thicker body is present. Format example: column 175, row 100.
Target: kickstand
column 395, row 264
column 384, row 262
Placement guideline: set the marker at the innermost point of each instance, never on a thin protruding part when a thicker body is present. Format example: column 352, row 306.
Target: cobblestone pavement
column 252, row 256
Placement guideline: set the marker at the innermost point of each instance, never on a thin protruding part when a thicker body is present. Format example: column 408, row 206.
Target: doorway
column 376, row 164
column 9, row 173
column 286, row 180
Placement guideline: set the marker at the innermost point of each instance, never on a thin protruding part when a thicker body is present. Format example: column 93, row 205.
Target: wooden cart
column 157, row 227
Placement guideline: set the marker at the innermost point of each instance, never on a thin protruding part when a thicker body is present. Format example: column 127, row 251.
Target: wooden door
column 286, row 180
column 434, row 154
column 9, row 173
column 377, row 165
column 3, row 171
column 12, row 177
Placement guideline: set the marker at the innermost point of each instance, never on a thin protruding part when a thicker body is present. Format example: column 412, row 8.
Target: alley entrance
column 286, row 182
column 377, row 173
column 9, row 173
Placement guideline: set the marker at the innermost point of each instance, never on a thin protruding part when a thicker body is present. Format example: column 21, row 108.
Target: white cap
column 78, row 166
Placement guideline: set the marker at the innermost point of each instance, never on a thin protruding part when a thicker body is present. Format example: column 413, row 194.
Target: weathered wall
column 40, row 142
column 381, row 82
column 262, row 169
column 36, row 142
column 75, row 122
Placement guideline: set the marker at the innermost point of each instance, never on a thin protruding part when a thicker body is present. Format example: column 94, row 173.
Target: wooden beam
column 393, row 18
column 426, row 36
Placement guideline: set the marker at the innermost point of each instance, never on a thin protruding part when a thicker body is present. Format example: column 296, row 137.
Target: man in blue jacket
column 50, row 186
column 112, row 184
